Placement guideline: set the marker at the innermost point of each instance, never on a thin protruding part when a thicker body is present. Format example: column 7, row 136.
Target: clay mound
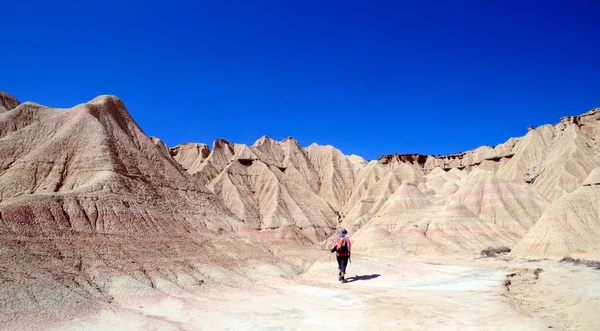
column 190, row 155
column 569, row 227
column 266, row 197
column 556, row 159
column 436, row 183
column 506, row 148
column 454, row 230
column 371, row 200
column 209, row 168
column 527, row 154
column 92, row 210
column 407, row 205
column 440, row 183
column 375, row 241
column 7, row 102
column 513, row 207
column 366, row 178
column 336, row 173
column 406, row 197
column 567, row 163
column 90, row 169
column 437, row 171
column 457, row 174
column 409, row 174
column 272, row 185
column 448, row 189
column 358, row 163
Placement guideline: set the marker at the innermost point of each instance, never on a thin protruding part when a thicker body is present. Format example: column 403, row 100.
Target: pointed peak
column 356, row 158
column 291, row 141
column 264, row 140
column 103, row 99
column 244, row 152
column 220, row 143
column 7, row 102
column 437, row 171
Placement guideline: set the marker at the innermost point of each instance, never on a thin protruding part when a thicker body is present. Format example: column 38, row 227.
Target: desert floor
column 382, row 293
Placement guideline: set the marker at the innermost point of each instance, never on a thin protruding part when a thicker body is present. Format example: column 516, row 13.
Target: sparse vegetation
column 537, row 272
column 591, row 264
column 493, row 251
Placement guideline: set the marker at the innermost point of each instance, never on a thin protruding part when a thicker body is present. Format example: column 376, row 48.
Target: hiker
column 341, row 247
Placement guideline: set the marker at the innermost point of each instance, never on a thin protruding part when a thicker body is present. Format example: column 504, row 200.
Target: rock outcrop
column 91, row 169
column 281, row 187
column 570, row 227
column 7, row 102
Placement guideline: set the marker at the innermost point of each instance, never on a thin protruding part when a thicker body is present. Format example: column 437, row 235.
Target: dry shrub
column 591, row 264
column 493, row 251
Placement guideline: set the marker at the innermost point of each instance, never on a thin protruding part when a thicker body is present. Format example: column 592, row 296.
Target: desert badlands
column 105, row 228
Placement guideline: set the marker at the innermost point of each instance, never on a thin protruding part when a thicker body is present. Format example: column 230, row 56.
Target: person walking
column 341, row 247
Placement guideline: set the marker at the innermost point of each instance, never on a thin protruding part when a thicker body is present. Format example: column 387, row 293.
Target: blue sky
column 369, row 77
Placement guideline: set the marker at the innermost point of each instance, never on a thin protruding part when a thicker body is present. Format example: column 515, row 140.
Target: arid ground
column 382, row 293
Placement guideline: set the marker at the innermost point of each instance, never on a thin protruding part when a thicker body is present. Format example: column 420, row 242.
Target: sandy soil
column 382, row 293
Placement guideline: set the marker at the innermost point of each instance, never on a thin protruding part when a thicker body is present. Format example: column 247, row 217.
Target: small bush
column 570, row 259
column 591, row 264
column 492, row 251
column 537, row 272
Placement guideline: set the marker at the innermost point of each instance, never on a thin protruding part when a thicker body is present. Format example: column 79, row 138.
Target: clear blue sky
column 369, row 77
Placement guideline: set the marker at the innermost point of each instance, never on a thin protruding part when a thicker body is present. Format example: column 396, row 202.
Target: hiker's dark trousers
column 342, row 263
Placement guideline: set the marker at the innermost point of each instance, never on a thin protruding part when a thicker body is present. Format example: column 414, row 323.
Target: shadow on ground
column 363, row 277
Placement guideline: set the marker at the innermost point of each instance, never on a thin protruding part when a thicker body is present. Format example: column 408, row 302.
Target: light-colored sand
column 383, row 293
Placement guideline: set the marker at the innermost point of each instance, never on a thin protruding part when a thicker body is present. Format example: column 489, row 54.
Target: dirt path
column 388, row 294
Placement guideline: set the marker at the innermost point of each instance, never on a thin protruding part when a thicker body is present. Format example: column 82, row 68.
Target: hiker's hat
column 342, row 232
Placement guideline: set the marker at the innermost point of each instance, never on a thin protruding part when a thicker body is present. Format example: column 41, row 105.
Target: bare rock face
column 190, row 155
column 514, row 207
column 91, row 208
column 284, row 188
column 90, row 169
column 569, row 227
column 271, row 186
column 7, row 102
